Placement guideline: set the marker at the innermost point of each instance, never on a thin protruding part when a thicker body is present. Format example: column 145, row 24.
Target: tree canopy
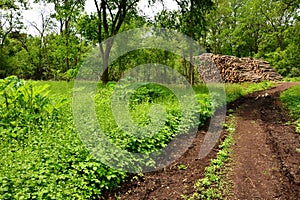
column 268, row 29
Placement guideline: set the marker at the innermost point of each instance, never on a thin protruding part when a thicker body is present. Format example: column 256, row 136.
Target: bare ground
column 266, row 164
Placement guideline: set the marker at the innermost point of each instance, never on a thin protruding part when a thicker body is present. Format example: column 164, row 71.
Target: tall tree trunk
column 191, row 43
column 105, row 52
column 67, row 45
column 280, row 41
column 105, row 73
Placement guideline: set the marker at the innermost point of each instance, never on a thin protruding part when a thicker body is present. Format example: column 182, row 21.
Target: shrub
column 291, row 98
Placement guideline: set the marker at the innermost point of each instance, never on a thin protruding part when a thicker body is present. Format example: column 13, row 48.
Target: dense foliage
column 63, row 37
column 42, row 155
column 247, row 28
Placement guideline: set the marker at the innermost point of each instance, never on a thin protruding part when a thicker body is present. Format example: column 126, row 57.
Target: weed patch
column 214, row 185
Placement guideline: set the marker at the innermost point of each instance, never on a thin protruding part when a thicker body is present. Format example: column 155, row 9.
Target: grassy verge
column 291, row 98
column 234, row 91
column 294, row 79
column 215, row 184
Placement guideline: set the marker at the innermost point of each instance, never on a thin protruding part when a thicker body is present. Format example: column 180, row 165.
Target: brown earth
column 265, row 162
column 171, row 182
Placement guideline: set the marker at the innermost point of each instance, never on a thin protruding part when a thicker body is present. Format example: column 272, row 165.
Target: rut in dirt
column 171, row 182
column 265, row 162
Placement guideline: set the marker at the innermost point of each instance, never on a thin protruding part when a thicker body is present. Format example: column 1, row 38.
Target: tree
column 256, row 28
column 13, row 4
column 111, row 16
column 66, row 12
column 10, row 20
column 46, row 24
column 190, row 20
column 279, row 15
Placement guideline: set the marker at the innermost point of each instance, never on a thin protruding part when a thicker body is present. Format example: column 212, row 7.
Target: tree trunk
column 280, row 41
column 67, row 45
column 191, row 42
column 105, row 59
column 105, row 73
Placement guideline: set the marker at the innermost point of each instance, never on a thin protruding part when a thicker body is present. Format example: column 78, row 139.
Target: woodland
column 266, row 29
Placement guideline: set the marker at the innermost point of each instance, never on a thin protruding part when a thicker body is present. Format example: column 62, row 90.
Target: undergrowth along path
column 171, row 182
column 265, row 161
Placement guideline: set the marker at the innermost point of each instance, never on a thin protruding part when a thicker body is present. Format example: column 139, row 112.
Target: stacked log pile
column 231, row 69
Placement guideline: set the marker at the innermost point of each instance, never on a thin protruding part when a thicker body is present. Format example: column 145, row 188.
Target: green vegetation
column 182, row 167
column 214, row 184
column 42, row 154
column 64, row 37
column 234, row 91
column 291, row 98
column 294, row 79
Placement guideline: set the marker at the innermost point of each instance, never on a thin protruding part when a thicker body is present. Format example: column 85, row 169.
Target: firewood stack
column 231, row 69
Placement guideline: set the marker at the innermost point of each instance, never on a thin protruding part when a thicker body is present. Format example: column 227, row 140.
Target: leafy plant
column 42, row 155
column 140, row 104
column 182, row 167
column 212, row 186
column 44, row 158
column 291, row 98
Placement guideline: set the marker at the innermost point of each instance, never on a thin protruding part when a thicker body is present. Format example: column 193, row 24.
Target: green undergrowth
column 291, row 98
column 234, row 91
column 215, row 184
column 294, row 79
column 43, row 156
column 144, row 112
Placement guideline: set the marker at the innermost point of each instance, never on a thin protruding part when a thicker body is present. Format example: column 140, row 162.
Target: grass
column 59, row 89
column 294, row 79
column 291, row 99
column 234, row 91
column 215, row 184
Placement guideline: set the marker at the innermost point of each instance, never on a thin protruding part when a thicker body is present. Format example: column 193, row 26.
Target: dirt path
column 265, row 162
column 170, row 183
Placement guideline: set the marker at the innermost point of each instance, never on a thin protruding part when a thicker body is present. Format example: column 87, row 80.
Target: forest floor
column 264, row 163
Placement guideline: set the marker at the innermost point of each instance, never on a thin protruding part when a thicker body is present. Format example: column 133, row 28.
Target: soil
column 170, row 182
column 265, row 164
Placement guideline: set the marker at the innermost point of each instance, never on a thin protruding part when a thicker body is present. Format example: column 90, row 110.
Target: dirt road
column 266, row 164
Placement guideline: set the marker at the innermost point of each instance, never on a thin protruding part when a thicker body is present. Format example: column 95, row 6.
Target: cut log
column 231, row 69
